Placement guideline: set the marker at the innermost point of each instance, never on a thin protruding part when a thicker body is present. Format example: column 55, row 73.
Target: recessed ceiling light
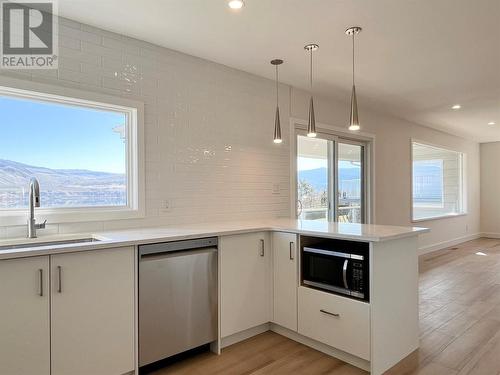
column 236, row 4
column 491, row 123
column 456, row 106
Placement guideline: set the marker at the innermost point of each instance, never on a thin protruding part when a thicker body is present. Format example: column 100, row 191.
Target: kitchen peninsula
column 267, row 279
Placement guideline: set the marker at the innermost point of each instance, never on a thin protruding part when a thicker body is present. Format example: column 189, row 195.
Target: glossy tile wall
column 208, row 129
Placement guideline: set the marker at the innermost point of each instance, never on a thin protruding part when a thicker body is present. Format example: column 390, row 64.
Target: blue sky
column 60, row 137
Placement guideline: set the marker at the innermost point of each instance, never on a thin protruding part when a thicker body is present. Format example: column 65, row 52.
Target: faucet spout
column 34, row 201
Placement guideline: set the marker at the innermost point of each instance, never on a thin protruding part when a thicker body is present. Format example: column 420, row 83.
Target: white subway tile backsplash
column 77, row 77
column 88, row 227
column 120, row 45
column 44, row 73
column 69, row 42
column 79, row 34
column 81, row 56
column 16, row 232
column 208, row 129
column 20, row 231
column 70, row 64
column 99, row 50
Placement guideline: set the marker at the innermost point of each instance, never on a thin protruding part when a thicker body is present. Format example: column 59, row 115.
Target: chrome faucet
column 34, row 201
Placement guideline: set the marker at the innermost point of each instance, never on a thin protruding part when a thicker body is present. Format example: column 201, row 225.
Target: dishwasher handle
column 175, row 246
column 176, row 254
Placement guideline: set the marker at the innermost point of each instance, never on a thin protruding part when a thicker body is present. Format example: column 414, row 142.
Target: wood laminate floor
column 459, row 327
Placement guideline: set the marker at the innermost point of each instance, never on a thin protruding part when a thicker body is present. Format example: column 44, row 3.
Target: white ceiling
column 416, row 58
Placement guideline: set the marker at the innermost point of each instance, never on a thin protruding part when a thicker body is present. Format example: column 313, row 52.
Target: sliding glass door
column 313, row 185
column 330, row 179
column 350, row 182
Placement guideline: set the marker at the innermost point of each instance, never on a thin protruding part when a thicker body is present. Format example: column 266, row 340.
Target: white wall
column 490, row 189
column 208, row 131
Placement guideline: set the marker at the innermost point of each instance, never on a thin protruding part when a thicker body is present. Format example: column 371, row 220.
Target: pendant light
column 311, row 124
column 277, row 123
column 354, row 120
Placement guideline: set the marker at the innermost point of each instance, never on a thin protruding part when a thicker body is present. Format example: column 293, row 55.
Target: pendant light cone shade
column 277, row 126
column 354, row 119
column 311, row 124
column 277, row 123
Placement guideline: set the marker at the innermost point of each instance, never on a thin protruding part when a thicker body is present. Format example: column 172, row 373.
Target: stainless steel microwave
column 341, row 272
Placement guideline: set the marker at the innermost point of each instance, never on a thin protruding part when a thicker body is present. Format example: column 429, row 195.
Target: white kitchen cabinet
column 245, row 262
column 285, row 267
column 92, row 296
column 24, row 316
column 337, row 321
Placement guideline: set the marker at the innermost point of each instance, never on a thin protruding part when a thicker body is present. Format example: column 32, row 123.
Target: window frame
column 337, row 135
column 134, row 152
column 364, row 173
column 332, row 177
column 462, row 178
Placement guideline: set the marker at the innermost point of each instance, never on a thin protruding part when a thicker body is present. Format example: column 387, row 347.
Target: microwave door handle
column 344, row 273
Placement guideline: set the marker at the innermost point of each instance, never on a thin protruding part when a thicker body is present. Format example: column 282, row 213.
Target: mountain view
column 427, row 180
column 60, row 187
column 318, row 177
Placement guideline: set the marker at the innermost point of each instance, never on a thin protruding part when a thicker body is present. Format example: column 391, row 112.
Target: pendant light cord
column 353, row 58
column 277, row 88
column 311, row 70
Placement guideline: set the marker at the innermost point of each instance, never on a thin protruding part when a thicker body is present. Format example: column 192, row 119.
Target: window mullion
column 333, row 176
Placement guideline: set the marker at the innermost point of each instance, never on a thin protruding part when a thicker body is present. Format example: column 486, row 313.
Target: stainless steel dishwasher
column 177, row 297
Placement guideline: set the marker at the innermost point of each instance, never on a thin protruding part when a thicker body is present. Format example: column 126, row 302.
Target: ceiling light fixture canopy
column 277, row 122
column 354, row 119
column 235, row 4
column 311, row 124
column 456, row 106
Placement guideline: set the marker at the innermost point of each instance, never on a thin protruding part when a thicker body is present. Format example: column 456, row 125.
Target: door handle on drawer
column 291, row 251
column 262, row 248
column 330, row 313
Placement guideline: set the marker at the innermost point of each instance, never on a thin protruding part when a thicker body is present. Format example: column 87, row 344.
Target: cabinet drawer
column 349, row 331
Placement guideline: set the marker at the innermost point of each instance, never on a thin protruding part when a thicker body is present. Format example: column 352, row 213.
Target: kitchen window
column 438, row 187
column 331, row 178
column 84, row 154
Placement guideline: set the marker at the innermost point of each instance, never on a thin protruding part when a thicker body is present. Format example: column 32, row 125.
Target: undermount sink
column 49, row 243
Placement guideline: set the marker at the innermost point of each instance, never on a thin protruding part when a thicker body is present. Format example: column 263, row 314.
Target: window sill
column 70, row 215
column 431, row 218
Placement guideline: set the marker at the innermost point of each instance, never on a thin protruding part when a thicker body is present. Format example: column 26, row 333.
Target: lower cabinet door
column 285, row 279
column 24, row 316
column 93, row 312
column 245, row 261
column 336, row 321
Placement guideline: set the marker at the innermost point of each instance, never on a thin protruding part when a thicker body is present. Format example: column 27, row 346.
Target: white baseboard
column 490, row 235
column 243, row 335
column 448, row 243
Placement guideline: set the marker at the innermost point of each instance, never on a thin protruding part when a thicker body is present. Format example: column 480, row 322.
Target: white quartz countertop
column 357, row 232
